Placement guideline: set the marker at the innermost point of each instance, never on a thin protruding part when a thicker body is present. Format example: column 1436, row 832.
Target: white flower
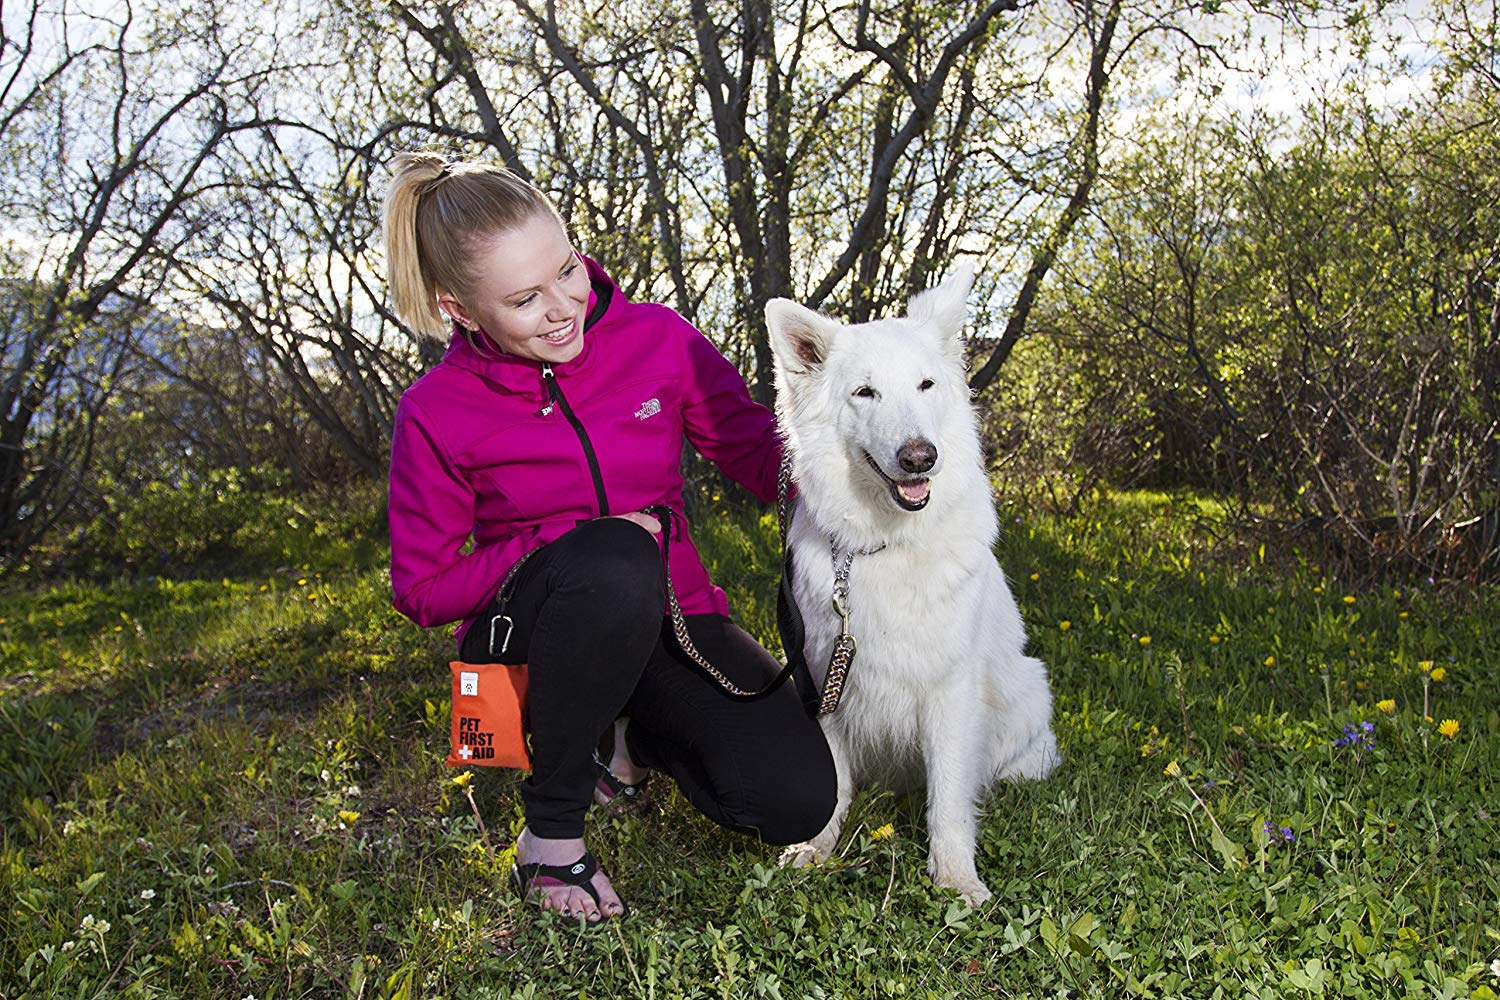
column 1495, row 969
column 352, row 790
column 68, row 828
column 148, row 894
column 100, row 927
column 69, row 945
column 325, row 776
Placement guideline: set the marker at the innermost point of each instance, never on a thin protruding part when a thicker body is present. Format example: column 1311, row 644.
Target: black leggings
column 589, row 623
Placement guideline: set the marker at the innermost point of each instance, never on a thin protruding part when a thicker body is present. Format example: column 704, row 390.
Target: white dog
column 886, row 457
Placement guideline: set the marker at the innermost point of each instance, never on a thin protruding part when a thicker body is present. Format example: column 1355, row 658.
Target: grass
column 234, row 787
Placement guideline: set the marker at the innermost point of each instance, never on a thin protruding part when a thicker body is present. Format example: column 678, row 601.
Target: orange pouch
column 489, row 702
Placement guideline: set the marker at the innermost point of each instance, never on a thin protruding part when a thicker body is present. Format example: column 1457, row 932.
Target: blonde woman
column 554, row 420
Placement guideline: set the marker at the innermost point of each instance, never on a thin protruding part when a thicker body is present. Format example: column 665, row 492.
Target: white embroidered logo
column 649, row 408
column 468, row 683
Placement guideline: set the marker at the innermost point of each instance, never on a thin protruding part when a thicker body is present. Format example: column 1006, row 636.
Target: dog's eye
column 927, row 383
column 865, row 392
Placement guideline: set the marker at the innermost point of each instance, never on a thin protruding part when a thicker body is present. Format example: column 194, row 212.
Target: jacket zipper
column 555, row 393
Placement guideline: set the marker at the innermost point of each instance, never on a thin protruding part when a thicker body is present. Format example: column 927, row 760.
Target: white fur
column 941, row 692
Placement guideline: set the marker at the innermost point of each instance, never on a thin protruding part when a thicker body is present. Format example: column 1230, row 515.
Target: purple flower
column 1280, row 835
column 1360, row 736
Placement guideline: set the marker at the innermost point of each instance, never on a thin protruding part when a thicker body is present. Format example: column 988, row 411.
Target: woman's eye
column 526, row 301
column 568, row 271
column 927, row 383
column 865, row 392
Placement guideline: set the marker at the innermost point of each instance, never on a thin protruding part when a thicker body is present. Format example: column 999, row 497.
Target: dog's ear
column 800, row 338
column 946, row 306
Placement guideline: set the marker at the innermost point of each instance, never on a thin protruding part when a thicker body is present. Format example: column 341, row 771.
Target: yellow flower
column 1348, row 598
column 1214, row 640
column 1237, row 730
column 1387, row 706
column 1172, row 770
column 302, row 582
column 1036, row 576
column 883, row 833
column 1318, row 589
column 348, row 817
column 1064, row 626
column 1270, row 661
column 1424, row 665
column 1403, row 615
column 1439, row 674
column 1397, row 593
column 1145, row 640
column 462, row 780
column 1449, row 728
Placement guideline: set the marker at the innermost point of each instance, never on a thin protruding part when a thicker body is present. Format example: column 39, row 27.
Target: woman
column 554, row 420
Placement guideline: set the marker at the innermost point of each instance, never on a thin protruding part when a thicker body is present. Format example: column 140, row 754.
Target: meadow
column 1278, row 783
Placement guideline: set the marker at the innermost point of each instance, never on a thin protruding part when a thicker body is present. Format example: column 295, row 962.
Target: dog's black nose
column 917, row 455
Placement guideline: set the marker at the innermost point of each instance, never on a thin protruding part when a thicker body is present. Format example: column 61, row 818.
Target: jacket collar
column 523, row 375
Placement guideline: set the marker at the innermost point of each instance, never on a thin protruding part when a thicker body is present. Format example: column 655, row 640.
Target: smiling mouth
column 909, row 494
column 558, row 336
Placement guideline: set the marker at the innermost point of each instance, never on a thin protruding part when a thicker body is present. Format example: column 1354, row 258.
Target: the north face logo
column 649, row 408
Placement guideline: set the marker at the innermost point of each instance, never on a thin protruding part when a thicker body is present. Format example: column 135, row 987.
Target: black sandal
column 580, row 874
column 619, row 798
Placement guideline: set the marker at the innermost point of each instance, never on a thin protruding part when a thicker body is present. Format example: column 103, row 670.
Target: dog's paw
column 972, row 891
column 802, row 855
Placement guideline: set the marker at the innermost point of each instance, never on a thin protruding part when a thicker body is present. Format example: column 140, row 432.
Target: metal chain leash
column 842, row 656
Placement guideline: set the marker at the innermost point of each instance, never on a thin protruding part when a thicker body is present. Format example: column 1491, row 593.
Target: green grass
column 175, row 757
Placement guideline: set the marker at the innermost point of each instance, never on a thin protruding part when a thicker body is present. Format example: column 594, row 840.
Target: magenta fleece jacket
column 480, row 448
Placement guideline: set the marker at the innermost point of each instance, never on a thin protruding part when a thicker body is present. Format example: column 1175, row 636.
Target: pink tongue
column 914, row 491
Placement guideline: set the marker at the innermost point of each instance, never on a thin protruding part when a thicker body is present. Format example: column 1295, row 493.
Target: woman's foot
column 622, row 780
column 570, row 901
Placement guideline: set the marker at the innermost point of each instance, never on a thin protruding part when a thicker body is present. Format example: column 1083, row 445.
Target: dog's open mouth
column 909, row 494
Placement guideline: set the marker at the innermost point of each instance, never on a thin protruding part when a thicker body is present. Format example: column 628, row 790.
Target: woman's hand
column 647, row 521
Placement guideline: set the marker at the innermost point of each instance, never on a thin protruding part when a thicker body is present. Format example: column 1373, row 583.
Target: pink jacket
column 480, row 448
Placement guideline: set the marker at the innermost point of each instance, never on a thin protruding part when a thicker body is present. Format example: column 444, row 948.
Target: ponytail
column 436, row 216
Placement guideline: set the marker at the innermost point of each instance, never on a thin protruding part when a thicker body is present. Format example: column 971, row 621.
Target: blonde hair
column 436, row 214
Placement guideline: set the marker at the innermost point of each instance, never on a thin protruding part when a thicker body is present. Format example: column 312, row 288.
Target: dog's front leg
column 820, row 848
column 949, row 742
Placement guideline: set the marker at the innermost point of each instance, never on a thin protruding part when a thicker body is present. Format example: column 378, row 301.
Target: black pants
column 589, row 623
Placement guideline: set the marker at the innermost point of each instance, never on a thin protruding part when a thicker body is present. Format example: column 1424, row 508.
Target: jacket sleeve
column 433, row 580
column 721, row 420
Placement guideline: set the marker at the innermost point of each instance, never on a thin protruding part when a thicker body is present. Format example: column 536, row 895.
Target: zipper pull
column 549, row 380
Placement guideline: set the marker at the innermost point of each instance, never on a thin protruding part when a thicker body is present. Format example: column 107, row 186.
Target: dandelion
column 1403, row 615
column 1172, row 770
column 1063, row 626
column 302, row 582
column 1036, row 576
column 1425, row 666
column 1214, row 640
column 348, row 817
column 1449, row 728
column 1439, row 674
column 1145, row 640
column 1318, row 589
column 462, row 780
column 1349, row 598
column 1386, row 705
column 885, row 832
column 1270, row 661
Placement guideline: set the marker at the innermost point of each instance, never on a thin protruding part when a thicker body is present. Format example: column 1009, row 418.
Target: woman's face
column 531, row 293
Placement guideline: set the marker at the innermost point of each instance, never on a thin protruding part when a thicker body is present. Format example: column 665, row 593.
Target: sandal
column 614, row 795
column 619, row 798
column 580, row 874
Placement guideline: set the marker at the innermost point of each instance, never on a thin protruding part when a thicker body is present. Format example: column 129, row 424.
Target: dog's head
column 875, row 405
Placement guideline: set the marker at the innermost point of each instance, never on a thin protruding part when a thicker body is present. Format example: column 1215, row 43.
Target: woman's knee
column 797, row 809
column 615, row 563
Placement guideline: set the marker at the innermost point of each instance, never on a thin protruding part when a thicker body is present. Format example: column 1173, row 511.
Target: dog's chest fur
column 912, row 613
